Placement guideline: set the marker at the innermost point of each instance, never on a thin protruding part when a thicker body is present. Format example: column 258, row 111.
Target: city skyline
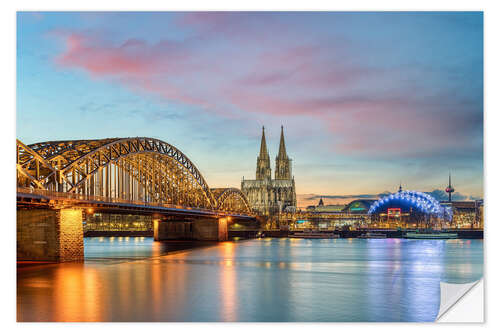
column 342, row 84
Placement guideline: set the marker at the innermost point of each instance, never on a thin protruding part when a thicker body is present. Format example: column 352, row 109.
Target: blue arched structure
column 411, row 202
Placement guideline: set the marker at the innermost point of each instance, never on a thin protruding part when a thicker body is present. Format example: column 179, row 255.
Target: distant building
column 360, row 206
column 329, row 208
column 354, row 207
column 321, row 207
column 466, row 214
column 271, row 196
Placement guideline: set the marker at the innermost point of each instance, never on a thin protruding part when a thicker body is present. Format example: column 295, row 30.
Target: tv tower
column 450, row 188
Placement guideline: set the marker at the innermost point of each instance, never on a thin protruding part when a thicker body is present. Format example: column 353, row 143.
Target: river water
column 270, row 279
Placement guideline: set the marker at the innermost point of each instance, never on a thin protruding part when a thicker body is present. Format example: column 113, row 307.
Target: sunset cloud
column 223, row 68
column 401, row 88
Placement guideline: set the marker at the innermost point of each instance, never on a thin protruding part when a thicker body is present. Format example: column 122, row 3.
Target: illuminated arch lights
column 422, row 202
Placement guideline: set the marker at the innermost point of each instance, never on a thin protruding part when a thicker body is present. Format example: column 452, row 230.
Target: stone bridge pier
column 209, row 229
column 49, row 234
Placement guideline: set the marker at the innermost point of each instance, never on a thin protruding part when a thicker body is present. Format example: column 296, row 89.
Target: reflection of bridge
column 130, row 175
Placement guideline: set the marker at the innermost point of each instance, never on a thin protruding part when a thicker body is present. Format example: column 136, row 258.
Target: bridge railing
column 87, row 197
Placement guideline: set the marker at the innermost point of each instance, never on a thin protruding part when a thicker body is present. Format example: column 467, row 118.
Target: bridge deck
column 29, row 197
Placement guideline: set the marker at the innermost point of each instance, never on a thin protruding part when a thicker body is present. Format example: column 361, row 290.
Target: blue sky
column 366, row 99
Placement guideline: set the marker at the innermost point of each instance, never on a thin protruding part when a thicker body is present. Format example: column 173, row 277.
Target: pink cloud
column 231, row 70
column 102, row 60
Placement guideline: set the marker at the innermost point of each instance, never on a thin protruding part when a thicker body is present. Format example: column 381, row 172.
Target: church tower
column 266, row 196
column 283, row 166
column 263, row 161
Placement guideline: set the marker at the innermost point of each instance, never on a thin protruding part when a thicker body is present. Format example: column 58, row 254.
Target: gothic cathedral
column 271, row 196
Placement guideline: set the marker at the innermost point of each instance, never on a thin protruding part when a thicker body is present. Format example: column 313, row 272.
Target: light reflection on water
column 256, row 280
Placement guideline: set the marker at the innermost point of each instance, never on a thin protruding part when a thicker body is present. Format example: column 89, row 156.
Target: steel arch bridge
column 229, row 199
column 133, row 169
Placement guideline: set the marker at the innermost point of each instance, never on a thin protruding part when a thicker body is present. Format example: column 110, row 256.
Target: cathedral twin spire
column 282, row 150
column 283, row 170
column 263, row 147
column 263, row 162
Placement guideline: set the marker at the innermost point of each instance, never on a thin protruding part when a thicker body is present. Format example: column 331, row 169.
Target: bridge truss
column 132, row 169
column 231, row 199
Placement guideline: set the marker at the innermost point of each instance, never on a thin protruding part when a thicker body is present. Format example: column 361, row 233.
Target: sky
column 367, row 100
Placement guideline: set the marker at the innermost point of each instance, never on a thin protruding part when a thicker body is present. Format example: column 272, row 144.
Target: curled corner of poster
column 462, row 303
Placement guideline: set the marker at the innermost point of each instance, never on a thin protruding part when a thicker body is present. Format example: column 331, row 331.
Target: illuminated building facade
column 466, row 214
column 358, row 206
column 117, row 222
column 268, row 196
column 330, row 217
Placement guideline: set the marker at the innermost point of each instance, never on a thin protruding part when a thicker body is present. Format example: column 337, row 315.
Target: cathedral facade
column 269, row 196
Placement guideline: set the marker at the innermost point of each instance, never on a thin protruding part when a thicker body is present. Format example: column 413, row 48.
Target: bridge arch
column 410, row 201
column 144, row 169
column 231, row 199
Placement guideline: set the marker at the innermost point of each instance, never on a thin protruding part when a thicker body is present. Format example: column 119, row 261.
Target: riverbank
column 462, row 233
column 248, row 234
